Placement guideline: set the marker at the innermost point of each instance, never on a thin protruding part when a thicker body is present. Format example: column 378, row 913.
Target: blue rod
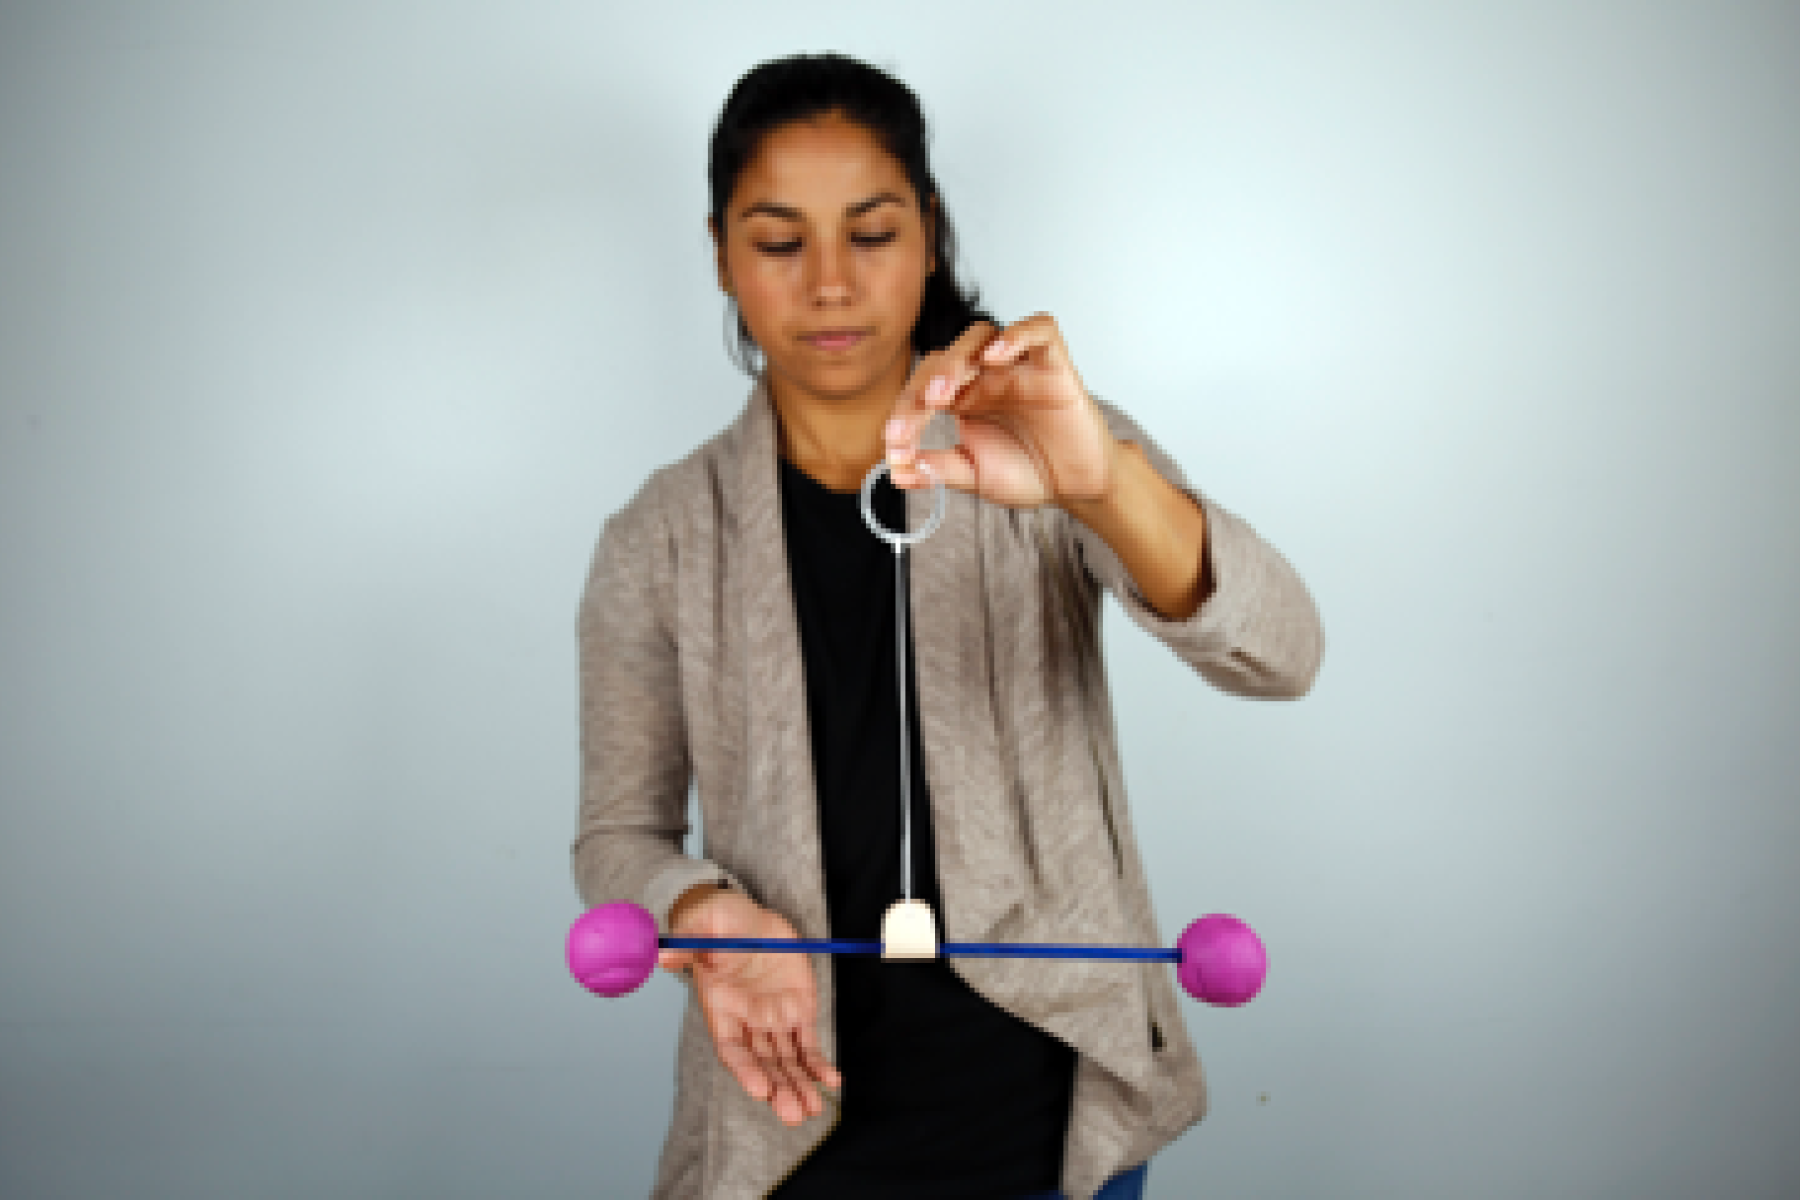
column 951, row 949
column 773, row 945
column 1027, row 950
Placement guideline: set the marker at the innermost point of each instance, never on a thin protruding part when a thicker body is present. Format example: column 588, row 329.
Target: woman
column 738, row 632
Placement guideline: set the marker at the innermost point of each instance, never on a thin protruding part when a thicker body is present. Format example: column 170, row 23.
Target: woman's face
column 826, row 250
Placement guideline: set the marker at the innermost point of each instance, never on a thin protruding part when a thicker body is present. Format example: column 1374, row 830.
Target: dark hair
column 807, row 86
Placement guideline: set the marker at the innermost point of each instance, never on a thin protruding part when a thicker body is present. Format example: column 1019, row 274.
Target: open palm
column 761, row 1009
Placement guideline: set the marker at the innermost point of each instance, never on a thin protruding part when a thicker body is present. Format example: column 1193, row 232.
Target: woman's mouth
column 833, row 340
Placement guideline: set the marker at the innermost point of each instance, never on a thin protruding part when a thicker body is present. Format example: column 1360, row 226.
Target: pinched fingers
column 934, row 378
column 953, row 468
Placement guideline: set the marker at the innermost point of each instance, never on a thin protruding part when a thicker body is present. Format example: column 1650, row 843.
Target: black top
column 945, row 1094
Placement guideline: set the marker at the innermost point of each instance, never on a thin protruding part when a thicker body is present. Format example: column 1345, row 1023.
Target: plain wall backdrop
column 330, row 333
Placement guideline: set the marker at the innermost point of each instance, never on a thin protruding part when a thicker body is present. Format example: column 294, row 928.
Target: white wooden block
column 909, row 930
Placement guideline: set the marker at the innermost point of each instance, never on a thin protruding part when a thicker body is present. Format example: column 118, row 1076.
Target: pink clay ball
column 1222, row 961
column 612, row 948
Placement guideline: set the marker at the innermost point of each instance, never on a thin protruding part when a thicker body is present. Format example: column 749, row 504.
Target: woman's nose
column 831, row 276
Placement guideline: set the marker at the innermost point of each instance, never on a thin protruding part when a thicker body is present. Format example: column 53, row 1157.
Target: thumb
column 951, row 467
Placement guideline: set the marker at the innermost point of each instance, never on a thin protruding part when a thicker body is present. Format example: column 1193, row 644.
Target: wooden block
column 909, row 931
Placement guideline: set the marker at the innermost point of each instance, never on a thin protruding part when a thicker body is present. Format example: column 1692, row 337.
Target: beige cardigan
column 691, row 672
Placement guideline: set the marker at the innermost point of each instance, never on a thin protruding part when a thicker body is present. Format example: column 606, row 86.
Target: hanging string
column 906, row 857
column 899, row 542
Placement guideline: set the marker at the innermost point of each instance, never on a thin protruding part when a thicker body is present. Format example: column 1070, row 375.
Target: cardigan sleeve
column 1258, row 633
column 635, row 767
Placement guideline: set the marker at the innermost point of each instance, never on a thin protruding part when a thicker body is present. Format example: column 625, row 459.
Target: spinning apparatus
column 612, row 949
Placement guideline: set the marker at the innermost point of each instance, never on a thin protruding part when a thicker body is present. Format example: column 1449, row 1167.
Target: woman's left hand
column 1030, row 433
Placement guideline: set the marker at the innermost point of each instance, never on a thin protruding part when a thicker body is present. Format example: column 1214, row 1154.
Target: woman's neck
column 836, row 439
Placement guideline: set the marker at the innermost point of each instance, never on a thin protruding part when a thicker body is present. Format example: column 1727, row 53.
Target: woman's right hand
column 762, row 1009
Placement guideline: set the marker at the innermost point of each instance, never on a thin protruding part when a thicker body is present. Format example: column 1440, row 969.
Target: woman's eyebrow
column 789, row 213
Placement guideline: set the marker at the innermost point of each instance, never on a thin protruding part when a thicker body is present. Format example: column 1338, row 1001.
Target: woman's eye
column 792, row 246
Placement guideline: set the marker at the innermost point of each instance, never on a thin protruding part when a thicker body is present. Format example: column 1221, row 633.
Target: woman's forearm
column 1156, row 529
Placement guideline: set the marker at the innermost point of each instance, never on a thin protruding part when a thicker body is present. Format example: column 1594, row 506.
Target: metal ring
column 899, row 541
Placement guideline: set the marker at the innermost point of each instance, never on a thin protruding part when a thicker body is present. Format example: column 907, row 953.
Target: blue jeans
column 1126, row 1185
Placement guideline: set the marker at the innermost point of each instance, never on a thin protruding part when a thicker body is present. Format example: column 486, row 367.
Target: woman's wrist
column 1098, row 509
column 693, row 898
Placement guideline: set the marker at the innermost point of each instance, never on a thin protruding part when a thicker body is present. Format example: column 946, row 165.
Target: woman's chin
column 835, row 383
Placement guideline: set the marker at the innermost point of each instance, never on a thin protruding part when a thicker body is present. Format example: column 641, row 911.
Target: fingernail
column 894, row 430
column 900, row 456
column 998, row 348
column 935, row 392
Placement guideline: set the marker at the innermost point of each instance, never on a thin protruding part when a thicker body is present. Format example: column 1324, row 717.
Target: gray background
column 330, row 333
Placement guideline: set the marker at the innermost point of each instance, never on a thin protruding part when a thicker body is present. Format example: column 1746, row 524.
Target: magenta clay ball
column 612, row 948
column 1222, row 961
